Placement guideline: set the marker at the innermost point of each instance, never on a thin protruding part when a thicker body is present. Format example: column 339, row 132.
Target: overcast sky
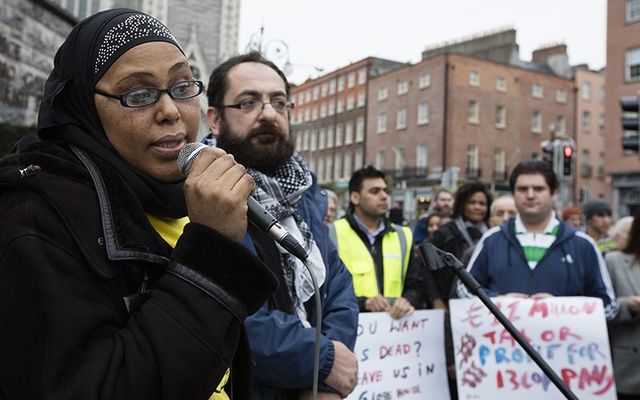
column 330, row 34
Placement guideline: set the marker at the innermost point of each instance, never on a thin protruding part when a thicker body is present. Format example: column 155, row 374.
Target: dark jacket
column 571, row 266
column 450, row 239
column 282, row 347
column 418, row 286
column 94, row 304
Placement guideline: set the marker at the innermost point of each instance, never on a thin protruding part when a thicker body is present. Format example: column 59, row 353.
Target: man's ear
column 355, row 198
column 214, row 120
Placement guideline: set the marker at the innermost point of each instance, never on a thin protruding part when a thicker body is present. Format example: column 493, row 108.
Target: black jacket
column 95, row 305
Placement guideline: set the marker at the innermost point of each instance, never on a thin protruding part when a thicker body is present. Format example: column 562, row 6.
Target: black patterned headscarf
column 68, row 112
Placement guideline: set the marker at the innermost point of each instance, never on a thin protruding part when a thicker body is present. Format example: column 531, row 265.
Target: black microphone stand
column 431, row 253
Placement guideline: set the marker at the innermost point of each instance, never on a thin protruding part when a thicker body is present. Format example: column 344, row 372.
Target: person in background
column 571, row 216
column 502, row 208
column 535, row 254
column 597, row 216
column 624, row 269
column 396, row 213
column 469, row 222
column 119, row 279
column 442, row 204
column 249, row 115
column 433, row 223
column 332, row 207
column 620, row 232
column 377, row 252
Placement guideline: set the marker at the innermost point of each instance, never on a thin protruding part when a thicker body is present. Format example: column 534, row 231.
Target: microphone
column 257, row 215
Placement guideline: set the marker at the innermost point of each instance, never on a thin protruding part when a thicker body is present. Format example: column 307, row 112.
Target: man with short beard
column 249, row 116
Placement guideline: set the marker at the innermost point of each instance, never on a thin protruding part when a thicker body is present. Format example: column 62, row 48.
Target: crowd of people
column 122, row 278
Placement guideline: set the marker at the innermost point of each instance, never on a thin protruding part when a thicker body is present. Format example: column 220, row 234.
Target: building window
column 632, row 65
column 422, row 160
column 601, row 165
column 586, row 91
column 561, row 96
column 362, row 76
column 474, row 78
column 501, row 84
column 360, row 130
column 347, row 165
column 383, row 93
column 301, row 99
column 560, row 125
column 403, row 87
column 362, row 98
column 536, row 122
column 320, row 170
column 339, row 130
column 601, row 122
column 316, row 92
column 351, row 103
column 501, row 116
column 585, row 168
column 423, row 113
column 474, row 112
column 314, row 113
column 322, row 138
column 328, row 168
column 586, row 121
column 307, row 96
column 313, row 146
column 332, row 86
column 340, row 84
column 337, row 170
column 632, row 11
column 351, row 79
column 330, row 137
column 324, row 89
column 401, row 122
column 424, row 81
column 305, row 140
column 380, row 160
column 332, row 106
column 298, row 141
column 537, row 91
column 339, row 106
column 472, row 161
column 382, row 122
column 358, row 160
column 499, row 166
column 348, row 132
column 399, row 159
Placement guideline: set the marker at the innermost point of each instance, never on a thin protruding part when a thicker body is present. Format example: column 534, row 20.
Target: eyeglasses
column 146, row 96
column 279, row 103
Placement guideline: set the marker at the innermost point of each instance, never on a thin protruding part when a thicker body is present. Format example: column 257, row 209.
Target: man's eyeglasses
column 279, row 103
column 146, row 96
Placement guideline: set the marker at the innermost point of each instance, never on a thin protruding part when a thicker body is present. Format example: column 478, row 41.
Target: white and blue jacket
column 571, row 266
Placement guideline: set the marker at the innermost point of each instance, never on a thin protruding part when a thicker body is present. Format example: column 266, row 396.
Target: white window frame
column 360, row 130
column 536, row 122
column 362, row 99
column 632, row 65
column 339, row 135
column 351, row 80
column 380, row 160
column 348, row 132
column 383, row 93
column 401, row 118
column 537, row 91
column 424, row 81
column 632, row 11
column 382, row 122
column 501, row 116
column 403, row 87
column 473, row 112
column 362, row 76
column 586, row 91
column 501, row 84
column 423, row 113
column 561, row 96
column 474, row 78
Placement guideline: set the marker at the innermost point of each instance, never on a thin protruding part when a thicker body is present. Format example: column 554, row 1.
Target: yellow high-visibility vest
column 355, row 254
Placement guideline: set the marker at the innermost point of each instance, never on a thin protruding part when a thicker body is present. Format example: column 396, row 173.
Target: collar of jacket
column 388, row 227
column 118, row 229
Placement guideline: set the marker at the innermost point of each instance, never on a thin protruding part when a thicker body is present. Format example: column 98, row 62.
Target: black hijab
column 68, row 112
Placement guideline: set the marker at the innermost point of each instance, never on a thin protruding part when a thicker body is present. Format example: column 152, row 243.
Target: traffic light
column 630, row 106
column 567, row 160
column 548, row 152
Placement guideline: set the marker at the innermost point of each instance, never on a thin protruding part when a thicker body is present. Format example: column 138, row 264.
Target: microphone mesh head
column 187, row 157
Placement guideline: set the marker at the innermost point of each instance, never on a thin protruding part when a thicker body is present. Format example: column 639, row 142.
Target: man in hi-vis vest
column 376, row 252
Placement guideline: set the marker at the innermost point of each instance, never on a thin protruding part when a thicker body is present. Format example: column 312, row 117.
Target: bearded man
column 249, row 116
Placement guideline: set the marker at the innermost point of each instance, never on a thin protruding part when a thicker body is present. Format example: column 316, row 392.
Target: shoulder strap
column 403, row 245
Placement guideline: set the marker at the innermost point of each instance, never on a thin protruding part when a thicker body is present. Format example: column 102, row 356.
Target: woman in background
column 624, row 270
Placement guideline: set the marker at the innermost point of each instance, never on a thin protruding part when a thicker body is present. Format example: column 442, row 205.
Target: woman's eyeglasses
column 146, row 96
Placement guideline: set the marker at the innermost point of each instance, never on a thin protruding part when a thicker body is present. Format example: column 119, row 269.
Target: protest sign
column 568, row 332
column 401, row 359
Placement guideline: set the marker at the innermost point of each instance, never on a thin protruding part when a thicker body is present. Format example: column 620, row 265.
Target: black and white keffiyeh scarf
column 280, row 194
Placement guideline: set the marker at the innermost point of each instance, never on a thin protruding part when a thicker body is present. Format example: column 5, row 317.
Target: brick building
column 623, row 79
column 591, row 180
column 330, row 116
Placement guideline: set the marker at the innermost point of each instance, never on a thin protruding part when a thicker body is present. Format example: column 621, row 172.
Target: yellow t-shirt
column 170, row 230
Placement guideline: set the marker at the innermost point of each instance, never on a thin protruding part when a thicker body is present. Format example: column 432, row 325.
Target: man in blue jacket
column 535, row 254
column 249, row 116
